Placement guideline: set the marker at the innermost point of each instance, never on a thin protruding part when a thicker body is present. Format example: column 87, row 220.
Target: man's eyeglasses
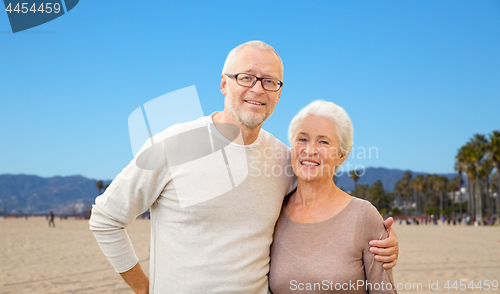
column 248, row 80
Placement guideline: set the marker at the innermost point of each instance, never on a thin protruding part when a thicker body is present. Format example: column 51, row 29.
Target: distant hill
column 33, row 194
column 389, row 177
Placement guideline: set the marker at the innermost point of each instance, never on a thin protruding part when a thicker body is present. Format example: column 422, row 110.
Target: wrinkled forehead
column 317, row 126
column 261, row 62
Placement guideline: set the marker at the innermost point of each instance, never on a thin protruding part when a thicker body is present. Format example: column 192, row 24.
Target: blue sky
column 418, row 78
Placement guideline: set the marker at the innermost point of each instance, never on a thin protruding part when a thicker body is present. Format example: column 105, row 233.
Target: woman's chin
column 310, row 177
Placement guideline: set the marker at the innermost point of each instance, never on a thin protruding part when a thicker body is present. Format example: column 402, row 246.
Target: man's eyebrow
column 270, row 76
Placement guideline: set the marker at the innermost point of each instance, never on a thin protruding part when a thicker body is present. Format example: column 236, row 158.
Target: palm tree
column 354, row 175
column 438, row 184
column 418, row 185
column 484, row 170
column 494, row 154
column 362, row 191
column 478, row 158
column 459, row 166
column 465, row 164
column 378, row 197
column 99, row 185
column 453, row 186
column 402, row 188
column 478, row 143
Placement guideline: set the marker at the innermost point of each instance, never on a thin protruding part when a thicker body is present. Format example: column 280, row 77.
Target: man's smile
column 253, row 102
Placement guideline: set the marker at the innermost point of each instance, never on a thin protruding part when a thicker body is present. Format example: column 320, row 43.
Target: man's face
column 250, row 107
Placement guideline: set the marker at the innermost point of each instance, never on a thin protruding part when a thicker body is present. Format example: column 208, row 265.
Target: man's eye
column 270, row 82
column 245, row 78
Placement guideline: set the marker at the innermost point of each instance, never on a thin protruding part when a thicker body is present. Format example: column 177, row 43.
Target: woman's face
column 315, row 149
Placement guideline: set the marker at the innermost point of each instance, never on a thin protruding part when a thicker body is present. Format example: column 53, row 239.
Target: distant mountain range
column 389, row 177
column 28, row 194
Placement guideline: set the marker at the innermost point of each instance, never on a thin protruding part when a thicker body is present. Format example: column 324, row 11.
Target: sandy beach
column 37, row 259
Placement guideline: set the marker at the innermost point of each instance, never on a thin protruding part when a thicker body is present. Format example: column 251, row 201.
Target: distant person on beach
column 51, row 219
column 202, row 243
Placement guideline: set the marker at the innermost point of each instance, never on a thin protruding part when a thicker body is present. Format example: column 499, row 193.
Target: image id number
column 43, row 8
column 479, row 285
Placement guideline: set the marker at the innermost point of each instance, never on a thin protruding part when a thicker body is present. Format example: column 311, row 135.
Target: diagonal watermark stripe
column 201, row 161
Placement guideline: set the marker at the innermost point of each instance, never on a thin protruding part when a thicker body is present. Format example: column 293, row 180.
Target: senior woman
column 321, row 238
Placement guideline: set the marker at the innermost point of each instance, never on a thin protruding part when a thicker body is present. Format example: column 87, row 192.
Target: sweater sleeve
column 378, row 279
column 130, row 194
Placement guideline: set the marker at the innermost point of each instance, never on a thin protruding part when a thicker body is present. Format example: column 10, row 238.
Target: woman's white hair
column 336, row 115
column 231, row 57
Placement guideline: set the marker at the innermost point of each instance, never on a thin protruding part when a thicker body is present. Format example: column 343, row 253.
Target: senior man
column 212, row 221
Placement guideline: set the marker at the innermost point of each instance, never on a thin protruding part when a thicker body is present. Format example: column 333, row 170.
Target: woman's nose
column 311, row 148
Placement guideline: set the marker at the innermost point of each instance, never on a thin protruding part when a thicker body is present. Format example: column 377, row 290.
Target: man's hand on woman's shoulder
column 386, row 250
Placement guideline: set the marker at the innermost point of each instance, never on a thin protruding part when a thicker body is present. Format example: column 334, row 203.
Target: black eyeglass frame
column 235, row 76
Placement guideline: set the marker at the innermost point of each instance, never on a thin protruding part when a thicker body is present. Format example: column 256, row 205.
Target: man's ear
column 223, row 85
column 279, row 95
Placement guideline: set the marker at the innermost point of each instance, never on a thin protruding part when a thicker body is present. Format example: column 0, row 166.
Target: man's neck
column 249, row 135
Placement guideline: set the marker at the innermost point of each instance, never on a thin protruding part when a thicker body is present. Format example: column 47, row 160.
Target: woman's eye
column 302, row 140
column 323, row 142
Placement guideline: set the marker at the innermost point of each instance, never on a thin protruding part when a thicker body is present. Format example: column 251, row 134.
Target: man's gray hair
column 336, row 115
column 231, row 57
